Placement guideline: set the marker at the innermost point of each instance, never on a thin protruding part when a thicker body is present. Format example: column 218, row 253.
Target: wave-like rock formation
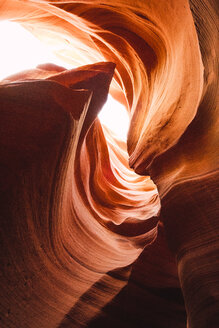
column 96, row 232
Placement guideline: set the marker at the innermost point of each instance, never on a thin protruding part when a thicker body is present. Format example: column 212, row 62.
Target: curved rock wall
column 88, row 239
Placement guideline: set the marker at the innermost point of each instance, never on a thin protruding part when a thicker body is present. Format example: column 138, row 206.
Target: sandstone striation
column 96, row 232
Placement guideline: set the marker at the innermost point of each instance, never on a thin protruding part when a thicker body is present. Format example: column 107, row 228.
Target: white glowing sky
column 20, row 50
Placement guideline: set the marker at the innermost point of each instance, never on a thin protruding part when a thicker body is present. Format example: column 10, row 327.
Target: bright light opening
column 115, row 117
column 20, row 50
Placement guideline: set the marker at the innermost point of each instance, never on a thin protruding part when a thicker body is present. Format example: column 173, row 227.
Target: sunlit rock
column 84, row 238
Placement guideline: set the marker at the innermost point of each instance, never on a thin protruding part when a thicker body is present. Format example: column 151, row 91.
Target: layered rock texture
column 96, row 232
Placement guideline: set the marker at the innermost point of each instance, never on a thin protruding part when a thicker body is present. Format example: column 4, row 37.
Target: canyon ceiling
column 97, row 232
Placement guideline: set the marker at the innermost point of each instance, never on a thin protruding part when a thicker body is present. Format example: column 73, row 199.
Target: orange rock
column 78, row 206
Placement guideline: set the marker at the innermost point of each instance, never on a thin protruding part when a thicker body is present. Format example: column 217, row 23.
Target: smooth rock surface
column 96, row 232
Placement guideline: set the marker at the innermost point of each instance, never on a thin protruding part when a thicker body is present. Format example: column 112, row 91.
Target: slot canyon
column 96, row 231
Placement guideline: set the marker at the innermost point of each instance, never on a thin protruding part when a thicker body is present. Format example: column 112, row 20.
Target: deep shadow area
column 144, row 308
column 135, row 302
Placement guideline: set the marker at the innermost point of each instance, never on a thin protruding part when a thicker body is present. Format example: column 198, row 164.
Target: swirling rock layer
column 84, row 240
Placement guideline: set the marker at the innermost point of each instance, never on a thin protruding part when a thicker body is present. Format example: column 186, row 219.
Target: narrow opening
column 21, row 50
column 115, row 117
